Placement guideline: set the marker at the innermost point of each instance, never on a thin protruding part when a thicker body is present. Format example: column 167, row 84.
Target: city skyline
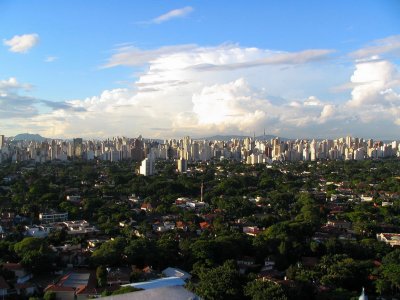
column 170, row 69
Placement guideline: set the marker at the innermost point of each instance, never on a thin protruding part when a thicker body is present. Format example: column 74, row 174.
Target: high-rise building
column 147, row 167
column 182, row 165
column 1, row 141
column 77, row 147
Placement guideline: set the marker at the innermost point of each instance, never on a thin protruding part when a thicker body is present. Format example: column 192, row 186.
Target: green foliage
column 389, row 274
column 34, row 253
column 260, row 290
column 219, row 283
column 141, row 252
column 49, row 295
column 342, row 271
column 101, row 276
column 109, row 253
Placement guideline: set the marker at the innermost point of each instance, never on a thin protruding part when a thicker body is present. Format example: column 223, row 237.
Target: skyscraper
column 1, row 141
column 77, row 144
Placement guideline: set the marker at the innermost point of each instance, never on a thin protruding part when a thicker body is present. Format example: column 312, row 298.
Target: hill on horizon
column 29, row 137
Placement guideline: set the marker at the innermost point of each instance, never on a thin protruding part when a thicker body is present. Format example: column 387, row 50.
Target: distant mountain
column 29, row 137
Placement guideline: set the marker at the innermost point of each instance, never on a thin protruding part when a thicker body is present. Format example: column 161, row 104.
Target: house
column 246, row 263
column 25, row 289
column 18, row 270
column 37, row 231
column 75, row 285
column 339, row 224
column 251, row 230
column 181, row 225
column 4, row 287
column 75, row 199
column 146, row 207
column 2, row 232
column 366, row 198
column 52, row 217
column 204, row 225
column 392, row 239
column 79, row 227
column 269, row 265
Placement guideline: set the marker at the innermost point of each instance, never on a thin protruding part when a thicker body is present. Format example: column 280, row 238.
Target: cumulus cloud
column 175, row 13
column 374, row 82
column 22, row 43
column 227, row 105
column 173, row 97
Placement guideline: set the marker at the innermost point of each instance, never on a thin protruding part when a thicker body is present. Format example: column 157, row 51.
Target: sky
column 167, row 69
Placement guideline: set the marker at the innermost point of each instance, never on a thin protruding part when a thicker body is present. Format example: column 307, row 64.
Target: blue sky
column 171, row 68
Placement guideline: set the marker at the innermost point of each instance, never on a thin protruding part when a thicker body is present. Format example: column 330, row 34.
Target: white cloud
column 227, row 105
column 277, row 58
column 312, row 101
column 390, row 44
column 50, row 59
column 374, row 81
column 12, row 84
column 132, row 56
column 174, row 97
column 220, row 58
column 175, row 13
column 22, row 43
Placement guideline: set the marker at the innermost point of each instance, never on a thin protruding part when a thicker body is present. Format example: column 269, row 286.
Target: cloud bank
column 229, row 89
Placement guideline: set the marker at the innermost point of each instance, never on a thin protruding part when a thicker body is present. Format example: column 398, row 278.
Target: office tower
column 77, row 147
column 1, row 141
column 147, row 166
column 53, row 150
column 137, row 150
column 348, row 141
column 182, row 165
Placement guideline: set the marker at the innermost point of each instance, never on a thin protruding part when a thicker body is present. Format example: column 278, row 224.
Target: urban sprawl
column 248, row 150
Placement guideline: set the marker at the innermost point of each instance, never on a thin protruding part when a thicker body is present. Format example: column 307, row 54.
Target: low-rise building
column 52, row 217
column 392, row 239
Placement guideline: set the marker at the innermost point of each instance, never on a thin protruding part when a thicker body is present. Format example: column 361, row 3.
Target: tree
column 141, row 252
column 101, row 275
column 49, row 295
column 260, row 290
column 109, row 253
column 389, row 272
column 35, row 254
column 218, row 283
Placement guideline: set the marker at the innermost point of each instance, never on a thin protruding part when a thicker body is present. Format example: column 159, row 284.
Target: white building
column 53, row 217
column 147, row 167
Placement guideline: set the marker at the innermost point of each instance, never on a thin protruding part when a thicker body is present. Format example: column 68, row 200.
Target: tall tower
column 1, row 141
column 78, row 144
column 201, row 191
